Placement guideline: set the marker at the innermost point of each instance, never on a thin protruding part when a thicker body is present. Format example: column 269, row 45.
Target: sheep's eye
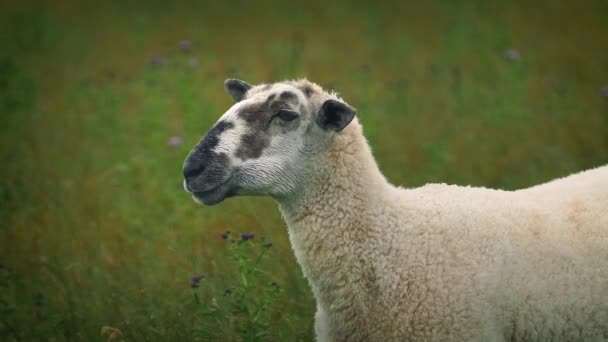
column 287, row 115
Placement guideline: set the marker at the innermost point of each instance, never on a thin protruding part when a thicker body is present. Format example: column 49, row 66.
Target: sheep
column 435, row 263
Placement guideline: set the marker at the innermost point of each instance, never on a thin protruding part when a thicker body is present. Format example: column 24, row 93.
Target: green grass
column 95, row 229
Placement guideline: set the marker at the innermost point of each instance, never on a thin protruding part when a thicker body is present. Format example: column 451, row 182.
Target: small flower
column 228, row 291
column 196, row 279
column 604, row 91
column 513, row 54
column 185, row 44
column 193, row 62
column 175, row 141
column 225, row 234
column 157, row 60
column 247, row 236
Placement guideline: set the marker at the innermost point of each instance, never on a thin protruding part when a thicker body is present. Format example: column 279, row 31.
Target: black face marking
column 259, row 118
column 307, row 90
column 252, row 146
column 255, row 114
column 202, row 159
column 258, row 115
column 212, row 137
column 216, row 167
column 288, row 96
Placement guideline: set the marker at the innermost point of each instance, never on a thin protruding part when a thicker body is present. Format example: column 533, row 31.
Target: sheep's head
column 265, row 143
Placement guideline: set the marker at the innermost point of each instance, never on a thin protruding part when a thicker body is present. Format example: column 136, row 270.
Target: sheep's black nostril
column 192, row 170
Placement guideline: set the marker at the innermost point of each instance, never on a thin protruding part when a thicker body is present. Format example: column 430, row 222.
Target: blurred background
column 101, row 102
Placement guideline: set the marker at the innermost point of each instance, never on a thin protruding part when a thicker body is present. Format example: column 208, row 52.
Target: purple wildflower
column 175, row 141
column 225, row 234
column 157, row 60
column 185, row 44
column 195, row 281
column 247, row 236
column 604, row 91
column 193, row 62
column 513, row 54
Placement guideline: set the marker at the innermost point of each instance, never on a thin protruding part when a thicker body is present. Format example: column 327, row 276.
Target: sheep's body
column 449, row 263
column 437, row 263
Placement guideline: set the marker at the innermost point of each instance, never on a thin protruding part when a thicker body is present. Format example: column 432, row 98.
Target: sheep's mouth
column 214, row 195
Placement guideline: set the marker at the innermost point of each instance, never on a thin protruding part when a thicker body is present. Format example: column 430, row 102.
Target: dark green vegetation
column 95, row 228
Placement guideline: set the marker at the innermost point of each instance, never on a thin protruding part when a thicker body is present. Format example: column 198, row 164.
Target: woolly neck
column 328, row 221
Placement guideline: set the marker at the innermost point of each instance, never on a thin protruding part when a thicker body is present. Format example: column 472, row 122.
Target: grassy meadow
column 101, row 102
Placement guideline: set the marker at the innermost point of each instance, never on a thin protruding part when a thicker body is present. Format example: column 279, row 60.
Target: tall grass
column 95, row 230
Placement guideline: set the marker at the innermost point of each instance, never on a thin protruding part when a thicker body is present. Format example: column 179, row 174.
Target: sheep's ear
column 335, row 115
column 237, row 88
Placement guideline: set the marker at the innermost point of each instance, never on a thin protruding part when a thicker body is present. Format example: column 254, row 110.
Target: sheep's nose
column 193, row 168
column 190, row 174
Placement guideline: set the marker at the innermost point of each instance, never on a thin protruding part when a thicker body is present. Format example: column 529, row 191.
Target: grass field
column 98, row 241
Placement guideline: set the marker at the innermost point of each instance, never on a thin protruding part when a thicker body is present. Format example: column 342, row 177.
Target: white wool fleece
column 449, row 263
